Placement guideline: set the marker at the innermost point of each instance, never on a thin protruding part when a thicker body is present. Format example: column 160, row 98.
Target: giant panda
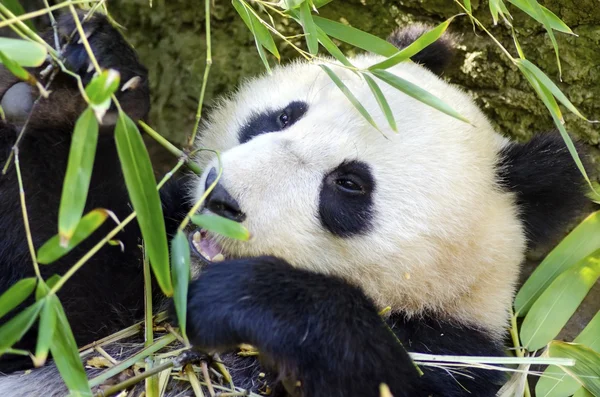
column 432, row 221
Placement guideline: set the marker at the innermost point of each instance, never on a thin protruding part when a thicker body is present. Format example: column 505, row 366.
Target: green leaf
column 468, row 5
column 555, row 22
column 332, row 48
column 45, row 330
column 555, row 382
column 78, row 176
column 578, row 244
column 141, row 185
column 66, row 356
column 290, row 4
column 552, row 106
column 222, row 226
column 180, row 271
column 16, row 294
column 361, row 109
column 14, row 329
column 415, row 47
column 582, row 393
column 52, row 249
column 383, row 103
column 587, row 364
column 100, row 89
column 355, row 37
column 544, row 80
column 321, row 3
column 418, row 93
column 538, row 13
column 15, row 7
column 23, row 52
column 260, row 32
column 497, row 7
column 310, row 30
column 16, row 69
column 558, row 302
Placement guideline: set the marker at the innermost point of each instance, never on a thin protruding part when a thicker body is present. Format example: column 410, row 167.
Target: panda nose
column 220, row 202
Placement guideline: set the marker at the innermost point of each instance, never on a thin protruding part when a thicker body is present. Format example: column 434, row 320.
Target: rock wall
column 170, row 38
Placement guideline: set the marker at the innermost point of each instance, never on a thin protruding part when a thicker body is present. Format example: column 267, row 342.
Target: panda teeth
column 218, row 258
column 196, row 240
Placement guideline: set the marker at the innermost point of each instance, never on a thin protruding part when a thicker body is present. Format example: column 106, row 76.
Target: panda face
column 415, row 217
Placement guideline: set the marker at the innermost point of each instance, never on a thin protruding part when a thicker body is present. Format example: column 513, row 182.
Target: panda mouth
column 205, row 247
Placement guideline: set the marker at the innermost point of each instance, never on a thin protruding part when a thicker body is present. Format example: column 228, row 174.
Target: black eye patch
column 346, row 199
column 273, row 120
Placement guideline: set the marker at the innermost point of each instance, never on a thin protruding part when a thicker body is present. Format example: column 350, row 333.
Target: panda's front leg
column 323, row 335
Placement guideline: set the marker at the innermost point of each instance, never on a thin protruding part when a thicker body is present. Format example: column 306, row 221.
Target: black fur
column 550, row 189
column 434, row 57
column 345, row 212
column 271, row 121
column 327, row 334
column 106, row 294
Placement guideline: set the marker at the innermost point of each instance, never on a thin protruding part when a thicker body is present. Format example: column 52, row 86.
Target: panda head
column 429, row 219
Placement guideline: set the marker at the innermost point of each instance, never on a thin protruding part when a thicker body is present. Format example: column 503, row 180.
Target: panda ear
column 549, row 188
column 435, row 56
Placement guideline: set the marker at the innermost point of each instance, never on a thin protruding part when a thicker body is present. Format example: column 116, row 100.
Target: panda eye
column 347, row 185
column 283, row 119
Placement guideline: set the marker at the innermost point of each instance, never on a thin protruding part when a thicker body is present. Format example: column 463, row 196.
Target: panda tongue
column 205, row 246
column 209, row 247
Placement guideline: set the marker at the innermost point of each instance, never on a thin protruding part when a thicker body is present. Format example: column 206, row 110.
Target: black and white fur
column 432, row 221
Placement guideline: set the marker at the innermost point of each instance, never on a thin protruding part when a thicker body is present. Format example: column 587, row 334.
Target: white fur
column 446, row 239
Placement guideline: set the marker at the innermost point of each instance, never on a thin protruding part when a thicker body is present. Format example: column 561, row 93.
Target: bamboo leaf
column 361, row 109
column 16, row 294
column 52, row 249
column 542, row 17
column 558, row 302
column 14, row 329
column 552, row 106
column 418, row 93
column 555, row 22
column 383, row 103
column 180, row 271
column 78, row 176
column 332, row 48
column 222, row 226
column 23, row 52
column 15, row 7
column 255, row 24
column 468, row 5
column 100, row 89
column 141, row 185
column 583, row 393
column 356, row 37
column 66, row 356
column 578, row 244
column 415, row 47
column 544, row 80
column 555, row 382
column 310, row 30
column 45, row 330
column 290, row 4
column 16, row 69
column 587, row 364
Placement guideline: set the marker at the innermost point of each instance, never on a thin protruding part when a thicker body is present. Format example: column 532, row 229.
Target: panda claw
column 132, row 83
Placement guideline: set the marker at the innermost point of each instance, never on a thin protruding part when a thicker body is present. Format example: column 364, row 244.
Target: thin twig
column 36, row 266
column 206, row 72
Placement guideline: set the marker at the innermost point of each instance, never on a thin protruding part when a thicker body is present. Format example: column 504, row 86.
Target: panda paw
column 108, row 45
column 110, row 50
